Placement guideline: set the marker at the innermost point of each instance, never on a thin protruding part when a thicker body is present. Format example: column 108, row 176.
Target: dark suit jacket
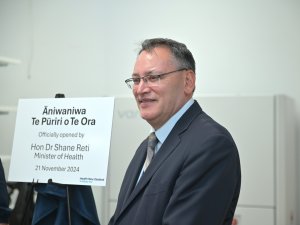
column 194, row 179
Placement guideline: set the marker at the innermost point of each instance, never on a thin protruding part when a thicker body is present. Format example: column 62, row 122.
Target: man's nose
column 142, row 86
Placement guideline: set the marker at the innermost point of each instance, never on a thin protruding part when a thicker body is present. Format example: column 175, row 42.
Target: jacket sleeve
column 207, row 189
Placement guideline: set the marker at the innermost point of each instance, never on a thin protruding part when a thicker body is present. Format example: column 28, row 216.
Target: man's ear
column 190, row 81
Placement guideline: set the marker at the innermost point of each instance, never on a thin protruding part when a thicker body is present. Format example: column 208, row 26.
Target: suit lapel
column 135, row 171
column 161, row 156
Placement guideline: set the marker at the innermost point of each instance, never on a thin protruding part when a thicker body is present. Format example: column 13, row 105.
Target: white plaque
column 66, row 140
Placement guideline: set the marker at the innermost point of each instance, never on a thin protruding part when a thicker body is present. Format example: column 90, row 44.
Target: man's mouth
column 145, row 101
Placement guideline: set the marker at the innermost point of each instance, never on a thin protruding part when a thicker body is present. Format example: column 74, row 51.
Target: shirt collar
column 163, row 132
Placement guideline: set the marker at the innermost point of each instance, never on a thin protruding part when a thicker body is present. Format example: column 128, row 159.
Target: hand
column 234, row 222
column 4, row 224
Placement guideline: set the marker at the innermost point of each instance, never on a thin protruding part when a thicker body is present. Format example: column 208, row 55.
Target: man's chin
column 146, row 116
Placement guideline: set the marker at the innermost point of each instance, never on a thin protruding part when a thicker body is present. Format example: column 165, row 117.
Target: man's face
column 159, row 102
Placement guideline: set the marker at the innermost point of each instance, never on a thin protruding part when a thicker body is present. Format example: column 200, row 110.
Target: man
column 194, row 176
column 4, row 210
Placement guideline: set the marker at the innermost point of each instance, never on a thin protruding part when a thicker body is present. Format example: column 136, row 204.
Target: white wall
column 87, row 47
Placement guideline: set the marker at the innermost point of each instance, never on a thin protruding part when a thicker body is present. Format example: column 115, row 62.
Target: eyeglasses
column 151, row 79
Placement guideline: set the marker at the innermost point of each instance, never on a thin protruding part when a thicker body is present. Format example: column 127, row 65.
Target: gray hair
column 179, row 50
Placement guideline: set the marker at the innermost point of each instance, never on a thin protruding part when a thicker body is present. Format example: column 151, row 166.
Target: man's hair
column 179, row 50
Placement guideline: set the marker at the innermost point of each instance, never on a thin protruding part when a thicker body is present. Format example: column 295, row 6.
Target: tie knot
column 152, row 141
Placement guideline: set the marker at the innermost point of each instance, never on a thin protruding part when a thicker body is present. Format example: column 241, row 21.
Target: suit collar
column 165, row 130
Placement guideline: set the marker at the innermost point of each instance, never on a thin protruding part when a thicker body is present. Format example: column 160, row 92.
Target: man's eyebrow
column 151, row 72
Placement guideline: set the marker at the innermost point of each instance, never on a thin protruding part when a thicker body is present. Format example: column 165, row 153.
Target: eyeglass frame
column 155, row 77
